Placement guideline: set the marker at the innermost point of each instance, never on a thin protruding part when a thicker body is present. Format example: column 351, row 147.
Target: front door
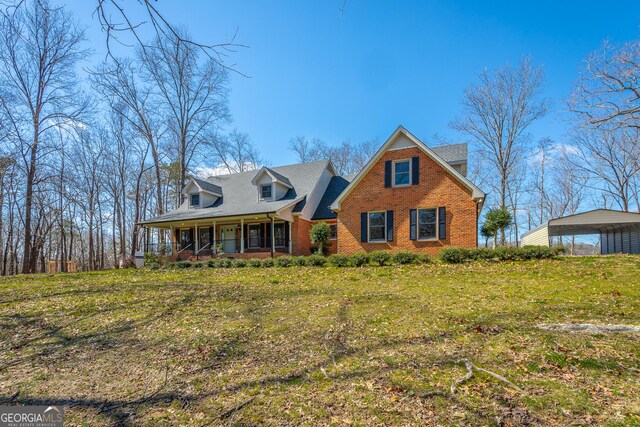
column 185, row 238
column 229, row 238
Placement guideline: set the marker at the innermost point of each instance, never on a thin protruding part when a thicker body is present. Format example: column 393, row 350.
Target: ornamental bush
column 225, row 263
column 453, row 255
column 507, row 253
column 254, row 262
column 380, row 257
column 267, row 262
column 479, row 254
column 404, row 257
column 239, row 263
column 299, row 261
column 213, row 263
column 283, row 261
column 316, row 260
column 359, row 259
column 339, row 260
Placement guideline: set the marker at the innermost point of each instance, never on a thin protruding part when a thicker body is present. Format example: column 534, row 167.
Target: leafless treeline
column 598, row 165
column 83, row 160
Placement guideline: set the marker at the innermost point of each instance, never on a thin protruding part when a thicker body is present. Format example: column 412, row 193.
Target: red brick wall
column 436, row 188
column 300, row 240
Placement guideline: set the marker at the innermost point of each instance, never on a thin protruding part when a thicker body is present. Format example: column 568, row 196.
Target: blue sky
column 356, row 75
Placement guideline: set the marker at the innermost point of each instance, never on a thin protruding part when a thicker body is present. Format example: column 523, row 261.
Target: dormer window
column 195, row 200
column 265, row 191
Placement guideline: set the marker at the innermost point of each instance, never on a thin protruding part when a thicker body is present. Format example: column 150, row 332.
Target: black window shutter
column 267, row 240
column 286, row 234
column 415, row 170
column 387, row 173
column 211, row 236
column 413, row 219
column 191, row 240
column 363, row 227
column 389, row 226
column 442, row 226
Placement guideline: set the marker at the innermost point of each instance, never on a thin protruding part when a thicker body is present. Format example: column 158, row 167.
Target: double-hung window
column 401, row 173
column 279, row 235
column 377, row 226
column 427, row 224
column 254, row 235
column 265, row 191
column 195, row 200
column 333, row 231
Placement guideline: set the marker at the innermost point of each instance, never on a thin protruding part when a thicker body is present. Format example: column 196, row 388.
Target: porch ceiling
column 210, row 221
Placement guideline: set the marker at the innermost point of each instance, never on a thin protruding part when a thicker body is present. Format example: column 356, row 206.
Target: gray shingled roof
column 240, row 196
column 452, row 153
column 207, row 186
column 335, row 187
column 279, row 177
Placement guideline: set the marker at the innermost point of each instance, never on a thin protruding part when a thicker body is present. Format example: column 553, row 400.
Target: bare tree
column 193, row 93
column 120, row 27
column 236, row 151
column 610, row 157
column 498, row 112
column 569, row 186
column 608, row 91
column 347, row 158
column 39, row 50
column 132, row 100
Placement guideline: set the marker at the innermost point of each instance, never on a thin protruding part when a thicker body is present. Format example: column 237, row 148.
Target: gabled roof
column 335, row 187
column 203, row 186
column 452, row 153
column 241, row 198
column 275, row 176
column 476, row 193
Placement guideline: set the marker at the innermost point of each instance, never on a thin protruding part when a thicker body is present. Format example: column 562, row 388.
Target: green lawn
column 326, row 346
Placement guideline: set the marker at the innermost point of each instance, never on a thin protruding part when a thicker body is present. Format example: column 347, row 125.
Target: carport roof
column 594, row 222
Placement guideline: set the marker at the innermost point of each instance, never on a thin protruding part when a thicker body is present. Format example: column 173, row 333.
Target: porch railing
column 226, row 246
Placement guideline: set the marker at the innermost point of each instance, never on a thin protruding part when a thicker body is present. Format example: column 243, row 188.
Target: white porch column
column 290, row 249
column 195, row 249
column 273, row 237
column 241, row 235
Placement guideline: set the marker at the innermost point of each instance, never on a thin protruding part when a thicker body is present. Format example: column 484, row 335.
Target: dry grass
column 326, row 346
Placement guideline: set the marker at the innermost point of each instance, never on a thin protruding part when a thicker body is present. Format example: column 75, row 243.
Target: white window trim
column 384, row 240
column 260, row 191
column 431, row 239
column 259, row 225
column 393, row 172
column 191, row 205
column 335, row 225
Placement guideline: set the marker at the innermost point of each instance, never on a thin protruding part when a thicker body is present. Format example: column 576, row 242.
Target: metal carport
column 619, row 231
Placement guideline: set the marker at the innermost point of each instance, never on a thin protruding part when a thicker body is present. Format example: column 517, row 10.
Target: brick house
column 407, row 197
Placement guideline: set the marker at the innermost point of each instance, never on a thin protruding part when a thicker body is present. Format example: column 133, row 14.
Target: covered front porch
column 256, row 236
